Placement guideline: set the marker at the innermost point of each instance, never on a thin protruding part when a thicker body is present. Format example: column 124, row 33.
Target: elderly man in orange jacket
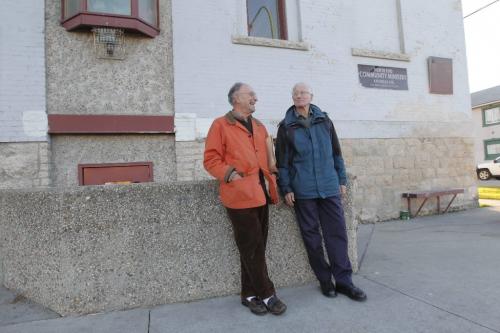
column 236, row 154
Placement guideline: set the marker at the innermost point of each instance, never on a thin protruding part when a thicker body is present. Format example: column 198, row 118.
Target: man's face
column 301, row 96
column 246, row 99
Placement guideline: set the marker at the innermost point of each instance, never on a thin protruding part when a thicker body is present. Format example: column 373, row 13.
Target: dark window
column 266, row 18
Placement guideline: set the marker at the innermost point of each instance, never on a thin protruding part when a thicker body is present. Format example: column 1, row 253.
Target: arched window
column 266, row 18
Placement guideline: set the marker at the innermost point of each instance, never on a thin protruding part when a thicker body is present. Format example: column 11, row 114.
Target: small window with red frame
column 135, row 15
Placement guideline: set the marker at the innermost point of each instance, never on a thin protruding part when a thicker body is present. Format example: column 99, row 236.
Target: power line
column 474, row 12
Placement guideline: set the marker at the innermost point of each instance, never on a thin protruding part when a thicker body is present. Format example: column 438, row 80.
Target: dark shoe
column 256, row 306
column 351, row 291
column 328, row 289
column 275, row 306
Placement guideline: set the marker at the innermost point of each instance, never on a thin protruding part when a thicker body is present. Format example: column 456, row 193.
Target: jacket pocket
column 240, row 190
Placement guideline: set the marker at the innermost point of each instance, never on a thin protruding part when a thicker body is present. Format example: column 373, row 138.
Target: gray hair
column 234, row 89
column 309, row 89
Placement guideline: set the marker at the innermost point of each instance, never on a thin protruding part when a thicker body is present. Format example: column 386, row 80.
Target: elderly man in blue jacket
column 312, row 178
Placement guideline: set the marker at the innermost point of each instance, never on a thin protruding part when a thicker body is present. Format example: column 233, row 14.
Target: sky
column 482, row 38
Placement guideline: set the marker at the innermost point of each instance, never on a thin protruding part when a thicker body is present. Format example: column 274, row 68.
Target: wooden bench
column 431, row 194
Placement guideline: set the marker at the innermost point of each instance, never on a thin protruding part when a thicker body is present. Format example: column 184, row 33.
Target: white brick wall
column 22, row 71
column 207, row 63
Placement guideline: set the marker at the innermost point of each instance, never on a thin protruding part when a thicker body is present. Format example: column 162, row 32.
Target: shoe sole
column 255, row 312
column 352, row 297
column 277, row 313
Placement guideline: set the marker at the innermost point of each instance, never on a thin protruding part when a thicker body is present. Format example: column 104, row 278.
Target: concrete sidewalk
column 430, row 274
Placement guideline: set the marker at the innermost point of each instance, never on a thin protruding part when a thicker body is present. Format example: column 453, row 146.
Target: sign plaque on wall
column 383, row 77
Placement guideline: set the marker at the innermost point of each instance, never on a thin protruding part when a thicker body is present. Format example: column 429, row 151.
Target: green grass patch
column 489, row 193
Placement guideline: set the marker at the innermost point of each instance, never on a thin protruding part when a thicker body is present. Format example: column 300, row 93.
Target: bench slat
column 434, row 193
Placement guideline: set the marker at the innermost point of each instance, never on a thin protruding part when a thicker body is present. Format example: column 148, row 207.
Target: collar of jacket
column 291, row 118
column 232, row 120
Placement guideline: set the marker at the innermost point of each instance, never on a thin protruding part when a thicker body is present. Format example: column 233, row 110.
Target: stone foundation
column 384, row 169
column 24, row 164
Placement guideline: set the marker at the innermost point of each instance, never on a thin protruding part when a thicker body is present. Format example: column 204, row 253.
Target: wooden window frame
column 483, row 112
column 87, row 20
column 282, row 24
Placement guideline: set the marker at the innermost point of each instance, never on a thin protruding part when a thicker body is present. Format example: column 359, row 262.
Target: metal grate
column 109, row 43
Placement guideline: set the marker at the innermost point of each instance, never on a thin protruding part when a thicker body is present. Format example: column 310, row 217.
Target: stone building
column 392, row 74
column 486, row 116
column 83, row 103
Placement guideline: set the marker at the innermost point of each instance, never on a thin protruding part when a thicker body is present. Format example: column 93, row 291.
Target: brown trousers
column 250, row 227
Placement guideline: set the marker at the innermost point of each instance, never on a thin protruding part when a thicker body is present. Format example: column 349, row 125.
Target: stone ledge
column 380, row 54
column 268, row 42
column 101, row 248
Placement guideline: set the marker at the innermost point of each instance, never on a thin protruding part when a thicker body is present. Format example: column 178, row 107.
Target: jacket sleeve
column 337, row 156
column 282, row 158
column 213, row 158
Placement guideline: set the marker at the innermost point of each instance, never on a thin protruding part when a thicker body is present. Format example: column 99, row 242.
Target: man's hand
column 343, row 190
column 289, row 199
column 234, row 176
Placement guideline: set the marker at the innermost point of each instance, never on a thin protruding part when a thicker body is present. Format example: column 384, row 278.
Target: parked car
column 490, row 169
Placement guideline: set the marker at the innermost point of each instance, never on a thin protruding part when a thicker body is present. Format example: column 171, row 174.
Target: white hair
column 309, row 89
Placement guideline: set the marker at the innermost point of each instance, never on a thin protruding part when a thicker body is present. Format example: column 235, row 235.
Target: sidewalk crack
column 149, row 320
column 360, row 262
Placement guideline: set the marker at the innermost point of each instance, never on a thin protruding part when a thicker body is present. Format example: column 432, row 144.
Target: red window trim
column 281, row 9
column 109, row 124
column 81, row 167
column 85, row 19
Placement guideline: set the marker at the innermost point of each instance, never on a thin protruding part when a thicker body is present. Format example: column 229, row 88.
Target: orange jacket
column 229, row 146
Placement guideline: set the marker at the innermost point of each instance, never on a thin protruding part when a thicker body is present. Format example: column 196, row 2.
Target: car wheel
column 484, row 174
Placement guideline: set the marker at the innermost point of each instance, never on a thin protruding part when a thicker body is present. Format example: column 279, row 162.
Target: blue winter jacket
column 309, row 159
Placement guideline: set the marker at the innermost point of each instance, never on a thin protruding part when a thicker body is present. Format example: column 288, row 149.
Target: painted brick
column 22, row 63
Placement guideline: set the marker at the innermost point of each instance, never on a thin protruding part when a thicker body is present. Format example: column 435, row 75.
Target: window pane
column 121, row 7
column 147, row 11
column 71, row 7
column 263, row 18
column 493, row 148
column 492, row 116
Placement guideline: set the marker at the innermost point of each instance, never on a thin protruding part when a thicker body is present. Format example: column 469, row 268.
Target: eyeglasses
column 300, row 93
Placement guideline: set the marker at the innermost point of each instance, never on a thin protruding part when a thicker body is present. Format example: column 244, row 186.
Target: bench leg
column 409, row 206
column 419, row 208
column 454, row 196
column 439, row 206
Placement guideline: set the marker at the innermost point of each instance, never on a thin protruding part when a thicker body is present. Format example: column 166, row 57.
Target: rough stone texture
column 101, row 248
column 189, row 157
column 384, row 169
column 69, row 151
column 24, row 164
column 78, row 83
